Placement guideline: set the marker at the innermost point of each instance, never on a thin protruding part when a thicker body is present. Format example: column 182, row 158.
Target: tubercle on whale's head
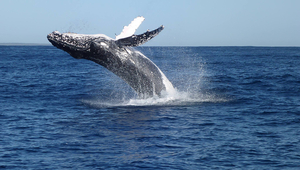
column 70, row 40
column 66, row 41
column 77, row 45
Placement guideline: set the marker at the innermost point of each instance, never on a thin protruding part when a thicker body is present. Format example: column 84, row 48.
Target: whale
column 119, row 56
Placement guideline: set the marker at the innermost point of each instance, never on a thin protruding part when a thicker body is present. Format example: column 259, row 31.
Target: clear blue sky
column 187, row 22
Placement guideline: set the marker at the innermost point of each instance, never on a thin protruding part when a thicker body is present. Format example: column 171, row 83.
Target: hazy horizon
column 189, row 23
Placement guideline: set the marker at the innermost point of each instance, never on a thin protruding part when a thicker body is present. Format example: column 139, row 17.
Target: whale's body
column 118, row 56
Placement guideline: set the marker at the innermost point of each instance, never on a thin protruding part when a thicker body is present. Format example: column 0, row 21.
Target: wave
column 174, row 98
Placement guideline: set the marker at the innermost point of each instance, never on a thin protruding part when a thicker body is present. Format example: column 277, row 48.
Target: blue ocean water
column 239, row 108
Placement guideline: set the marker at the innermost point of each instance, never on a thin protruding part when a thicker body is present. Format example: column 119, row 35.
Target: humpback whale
column 118, row 56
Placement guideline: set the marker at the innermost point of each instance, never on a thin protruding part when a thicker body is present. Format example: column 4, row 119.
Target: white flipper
column 131, row 28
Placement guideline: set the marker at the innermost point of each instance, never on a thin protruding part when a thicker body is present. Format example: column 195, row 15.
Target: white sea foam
column 175, row 98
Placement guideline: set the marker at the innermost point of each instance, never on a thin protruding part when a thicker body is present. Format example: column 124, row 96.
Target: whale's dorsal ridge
column 136, row 40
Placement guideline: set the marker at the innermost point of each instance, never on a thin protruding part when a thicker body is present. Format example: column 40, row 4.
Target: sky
column 187, row 22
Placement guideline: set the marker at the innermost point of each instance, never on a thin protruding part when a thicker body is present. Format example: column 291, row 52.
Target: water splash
column 185, row 69
column 175, row 98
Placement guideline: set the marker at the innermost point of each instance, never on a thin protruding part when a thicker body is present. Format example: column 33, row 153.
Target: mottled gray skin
column 117, row 56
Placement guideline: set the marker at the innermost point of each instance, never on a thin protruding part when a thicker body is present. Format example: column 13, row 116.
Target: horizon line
column 48, row 44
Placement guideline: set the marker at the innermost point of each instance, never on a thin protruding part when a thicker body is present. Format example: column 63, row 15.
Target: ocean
column 235, row 108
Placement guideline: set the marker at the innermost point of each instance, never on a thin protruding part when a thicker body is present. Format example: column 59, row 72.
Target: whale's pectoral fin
column 136, row 40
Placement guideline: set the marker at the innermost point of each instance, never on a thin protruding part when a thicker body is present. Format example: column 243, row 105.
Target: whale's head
column 78, row 45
